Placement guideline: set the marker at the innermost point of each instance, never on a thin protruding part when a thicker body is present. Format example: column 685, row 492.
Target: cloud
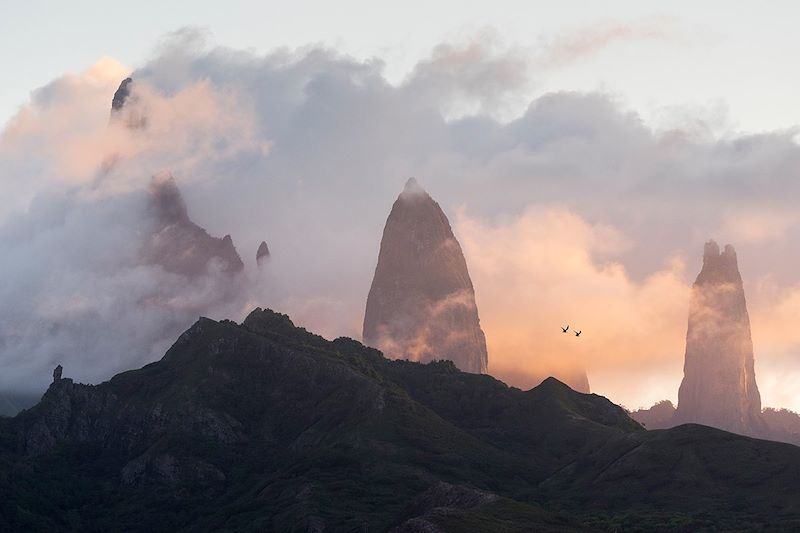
column 572, row 210
column 479, row 75
column 541, row 270
column 573, row 46
column 749, row 225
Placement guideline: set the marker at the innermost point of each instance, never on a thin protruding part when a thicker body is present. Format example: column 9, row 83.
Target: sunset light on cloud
column 420, row 266
column 549, row 237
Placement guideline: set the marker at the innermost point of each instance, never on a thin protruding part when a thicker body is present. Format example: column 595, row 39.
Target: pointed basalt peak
column 412, row 188
column 121, row 95
column 124, row 110
column 166, row 200
column 262, row 255
column 421, row 305
column 178, row 244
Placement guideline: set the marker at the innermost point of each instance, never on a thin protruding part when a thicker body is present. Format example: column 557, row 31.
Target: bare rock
column 121, row 95
column 125, row 109
column 719, row 384
column 178, row 244
column 421, row 305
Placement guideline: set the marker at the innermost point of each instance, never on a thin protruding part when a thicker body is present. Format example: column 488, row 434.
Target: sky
column 687, row 54
column 583, row 153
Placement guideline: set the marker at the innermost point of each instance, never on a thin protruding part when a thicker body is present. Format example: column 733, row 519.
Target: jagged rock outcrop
column 719, row 384
column 178, row 244
column 262, row 255
column 124, row 109
column 421, row 305
column 121, row 95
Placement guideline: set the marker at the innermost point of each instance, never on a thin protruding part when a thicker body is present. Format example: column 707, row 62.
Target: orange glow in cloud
column 69, row 132
column 539, row 271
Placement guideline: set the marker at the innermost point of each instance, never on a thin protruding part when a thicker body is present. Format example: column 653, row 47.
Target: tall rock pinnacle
column 719, row 385
column 421, row 305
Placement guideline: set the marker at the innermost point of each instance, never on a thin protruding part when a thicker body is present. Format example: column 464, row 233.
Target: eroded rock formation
column 421, row 305
column 121, row 95
column 125, row 108
column 178, row 244
column 719, row 384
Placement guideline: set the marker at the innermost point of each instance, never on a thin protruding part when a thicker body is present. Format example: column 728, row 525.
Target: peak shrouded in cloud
column 421, row 305
column 719, row 385
column 122, row 94
column 262, row 254
column 412, row 189
column 178, row 244
column 573, row 208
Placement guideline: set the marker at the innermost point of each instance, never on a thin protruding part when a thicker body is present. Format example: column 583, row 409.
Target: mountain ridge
column 264, row 425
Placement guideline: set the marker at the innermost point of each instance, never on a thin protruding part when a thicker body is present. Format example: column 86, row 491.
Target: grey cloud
column 342, row 141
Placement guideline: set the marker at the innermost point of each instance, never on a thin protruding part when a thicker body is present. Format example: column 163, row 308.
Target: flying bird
column 564, row 330
column 578, row 333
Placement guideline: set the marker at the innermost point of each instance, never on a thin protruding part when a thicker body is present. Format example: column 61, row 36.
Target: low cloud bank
column 572, row 212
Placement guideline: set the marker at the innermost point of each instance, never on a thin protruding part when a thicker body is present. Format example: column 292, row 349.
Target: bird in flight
column 578, row 333
column 564, row 330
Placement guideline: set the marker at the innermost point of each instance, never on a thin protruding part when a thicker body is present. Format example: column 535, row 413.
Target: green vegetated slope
column 266, row 427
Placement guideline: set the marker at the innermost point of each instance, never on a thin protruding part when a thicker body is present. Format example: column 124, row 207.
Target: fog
column 573, row 211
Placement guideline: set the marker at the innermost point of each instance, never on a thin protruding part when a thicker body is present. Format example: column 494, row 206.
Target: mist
column 572, row 211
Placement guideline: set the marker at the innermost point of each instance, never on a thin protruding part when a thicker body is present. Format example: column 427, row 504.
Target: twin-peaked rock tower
column 719, row 385
column 421, row 305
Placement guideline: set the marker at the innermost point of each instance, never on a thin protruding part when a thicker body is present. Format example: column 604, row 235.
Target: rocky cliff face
column 719, row 385
column 178, row 244
column 421, row 305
